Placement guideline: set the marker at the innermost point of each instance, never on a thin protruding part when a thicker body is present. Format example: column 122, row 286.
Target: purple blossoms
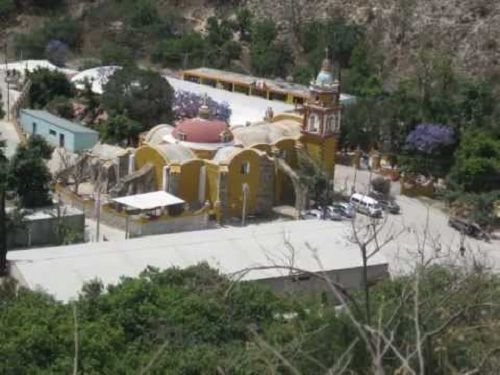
column 187, row 104
column 429, row 138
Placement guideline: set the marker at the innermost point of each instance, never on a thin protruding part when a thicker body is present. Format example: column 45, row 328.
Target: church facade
column 234, row 169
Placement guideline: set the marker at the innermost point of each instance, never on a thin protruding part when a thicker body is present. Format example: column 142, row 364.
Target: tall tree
column 47, row 85
column 142, row 95
column 28, row 174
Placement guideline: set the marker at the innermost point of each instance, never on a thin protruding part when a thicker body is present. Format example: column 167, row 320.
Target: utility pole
column 244, row 209
column 98, row 213
column 3, row 233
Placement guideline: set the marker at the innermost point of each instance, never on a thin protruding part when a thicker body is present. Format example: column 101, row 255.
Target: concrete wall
column 170, row 225
column 39, row 231
column 350, row 279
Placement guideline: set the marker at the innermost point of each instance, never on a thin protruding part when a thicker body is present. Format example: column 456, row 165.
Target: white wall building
column 62, row 271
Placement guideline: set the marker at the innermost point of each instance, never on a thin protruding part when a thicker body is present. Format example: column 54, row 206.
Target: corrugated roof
column 59, row 122
column 317, row 246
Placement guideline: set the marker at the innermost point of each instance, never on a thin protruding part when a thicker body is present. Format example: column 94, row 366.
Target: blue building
column 58, row 131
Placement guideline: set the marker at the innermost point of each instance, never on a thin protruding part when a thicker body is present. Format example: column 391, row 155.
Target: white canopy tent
column 149, row 201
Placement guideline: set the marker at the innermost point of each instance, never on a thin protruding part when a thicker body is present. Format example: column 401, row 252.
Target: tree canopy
column 28, row 174
column 197, row 321
column 142, row 95
column 47, row 85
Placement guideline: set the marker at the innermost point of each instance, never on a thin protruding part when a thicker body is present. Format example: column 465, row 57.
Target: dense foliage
column 142, row 95
column 196, row 321
column 269, row 56
column 28, row 174
column 46, row 85
column 118, row 129
column 187, row 105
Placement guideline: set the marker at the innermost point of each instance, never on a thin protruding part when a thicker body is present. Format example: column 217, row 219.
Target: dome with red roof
column 200, row 130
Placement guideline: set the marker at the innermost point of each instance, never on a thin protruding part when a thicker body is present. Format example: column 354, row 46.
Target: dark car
column 387, row 203
column 345, row 209
column 390, row 206
column 468, row 228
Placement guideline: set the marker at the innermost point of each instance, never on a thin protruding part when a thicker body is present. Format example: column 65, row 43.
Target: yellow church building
column 234, row 169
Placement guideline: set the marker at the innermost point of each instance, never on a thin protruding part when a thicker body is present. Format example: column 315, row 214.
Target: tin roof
column 59, row 122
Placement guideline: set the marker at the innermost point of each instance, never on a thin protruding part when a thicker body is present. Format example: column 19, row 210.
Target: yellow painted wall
column 149, row 154
column 322, row 151
column 283, row 187
column 190, row 180
column 212, row 188
column 204, row 154
column 288, row 116
column 236, row 180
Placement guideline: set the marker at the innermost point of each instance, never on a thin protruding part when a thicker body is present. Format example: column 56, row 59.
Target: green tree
column 116, row 54
column 269, row 57
column 119, row 128
column 337, row 34
column 47, row 85
column 28, row 174
column 362, row 79
column 142, row 95
column 477, row 163
column 61, row 106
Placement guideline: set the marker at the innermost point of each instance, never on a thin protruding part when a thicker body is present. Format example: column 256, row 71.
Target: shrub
column 6, row 6
column 381, row 185
column 47, row 85
column 115, row 54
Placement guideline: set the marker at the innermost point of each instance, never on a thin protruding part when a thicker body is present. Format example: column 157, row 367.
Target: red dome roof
column 199, row 130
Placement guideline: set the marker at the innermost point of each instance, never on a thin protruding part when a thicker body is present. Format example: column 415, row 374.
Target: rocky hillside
column 469, row 30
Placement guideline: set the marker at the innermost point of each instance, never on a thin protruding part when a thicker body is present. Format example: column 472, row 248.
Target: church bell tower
column 321, row 124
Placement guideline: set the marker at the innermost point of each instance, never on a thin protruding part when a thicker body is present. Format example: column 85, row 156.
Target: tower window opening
column 245, row 168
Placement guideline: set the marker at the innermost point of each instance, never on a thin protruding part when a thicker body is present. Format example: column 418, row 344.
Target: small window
column 225, row 137
column 245, row 168
column 52, row 132
column 181, row 136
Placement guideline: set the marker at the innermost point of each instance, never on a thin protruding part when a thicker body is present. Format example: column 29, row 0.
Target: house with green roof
column 57, row 131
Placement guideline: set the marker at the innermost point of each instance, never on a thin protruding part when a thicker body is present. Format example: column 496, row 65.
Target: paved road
column 105, row 231
column 422, row 225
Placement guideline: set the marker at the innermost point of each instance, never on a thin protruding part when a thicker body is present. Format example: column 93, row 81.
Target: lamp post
column 245, row 189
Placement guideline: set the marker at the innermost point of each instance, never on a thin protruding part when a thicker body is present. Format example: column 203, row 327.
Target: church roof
column 267, row 133
column 200, row 130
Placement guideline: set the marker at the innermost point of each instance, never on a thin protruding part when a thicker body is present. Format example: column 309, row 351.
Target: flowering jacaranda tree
column 430, row 138
column 429, row 150
column 187, row 105
column 57, row 52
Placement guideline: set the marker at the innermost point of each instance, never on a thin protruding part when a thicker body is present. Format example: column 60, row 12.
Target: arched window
column 245, row 167
column 225, row 137
column 313, row 123
column 331, row 124
column 181, row 136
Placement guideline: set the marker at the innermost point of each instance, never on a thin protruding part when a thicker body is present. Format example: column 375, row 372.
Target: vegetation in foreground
column 196, row 321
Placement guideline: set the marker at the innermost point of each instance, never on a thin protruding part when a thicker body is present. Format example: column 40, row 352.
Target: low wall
column 164, row 225
column 187, row 221
column 44, row 230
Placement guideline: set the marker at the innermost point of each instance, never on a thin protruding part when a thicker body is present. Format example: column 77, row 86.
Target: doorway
column 61, row 140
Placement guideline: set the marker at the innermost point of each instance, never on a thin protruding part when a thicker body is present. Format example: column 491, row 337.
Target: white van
column 366, row 205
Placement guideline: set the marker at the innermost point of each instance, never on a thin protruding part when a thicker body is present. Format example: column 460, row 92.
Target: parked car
column 468, row 228
column 333, row 213
column 346, row 209
column 366, row 205
column 390, row 206
column 311, row 214
column 387, row 203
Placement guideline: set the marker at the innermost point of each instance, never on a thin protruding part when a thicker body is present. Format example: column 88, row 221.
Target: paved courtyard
column 422, row 225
